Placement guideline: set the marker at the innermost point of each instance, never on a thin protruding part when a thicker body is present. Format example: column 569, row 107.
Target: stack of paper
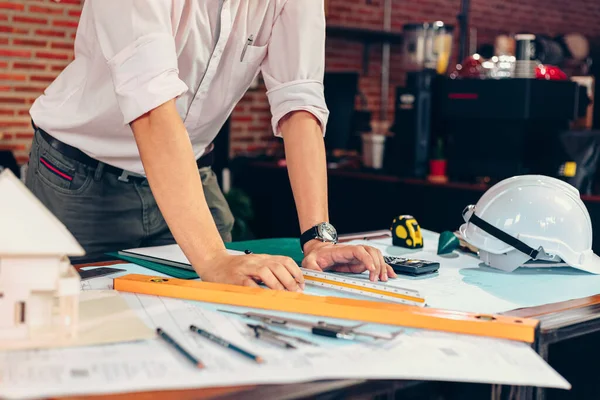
column 153, row 365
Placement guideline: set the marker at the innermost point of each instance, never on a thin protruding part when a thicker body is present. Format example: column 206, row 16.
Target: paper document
column 153, row 365
column 104, row 317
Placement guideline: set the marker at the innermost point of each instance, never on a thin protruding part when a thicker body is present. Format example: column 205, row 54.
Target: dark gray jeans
column 103, row 213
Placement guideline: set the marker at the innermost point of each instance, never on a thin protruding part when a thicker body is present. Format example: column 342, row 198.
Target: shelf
column 367, row 36
column 364, row 35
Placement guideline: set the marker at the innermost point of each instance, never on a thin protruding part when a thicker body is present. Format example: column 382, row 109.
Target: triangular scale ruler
column 363, row 287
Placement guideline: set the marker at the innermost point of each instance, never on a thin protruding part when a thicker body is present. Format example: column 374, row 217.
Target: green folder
column 289, row 247
column 175, row 272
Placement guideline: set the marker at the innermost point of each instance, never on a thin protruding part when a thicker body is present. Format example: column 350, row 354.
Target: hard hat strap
column 503, row 236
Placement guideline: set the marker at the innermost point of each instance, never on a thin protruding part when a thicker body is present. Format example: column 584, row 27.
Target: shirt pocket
column 253, row 55
column 244, row 69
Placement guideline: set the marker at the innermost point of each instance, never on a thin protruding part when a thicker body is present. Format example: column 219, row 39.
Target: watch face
column 328, row 232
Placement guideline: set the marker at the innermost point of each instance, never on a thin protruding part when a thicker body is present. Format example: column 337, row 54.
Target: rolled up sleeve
column 136, row 39
column 295, row 64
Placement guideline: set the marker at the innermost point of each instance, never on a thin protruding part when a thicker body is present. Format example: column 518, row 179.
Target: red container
column 437, row 167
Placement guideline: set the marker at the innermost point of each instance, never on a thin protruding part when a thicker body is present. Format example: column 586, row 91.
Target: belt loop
column 124, row 177
column 99, row 171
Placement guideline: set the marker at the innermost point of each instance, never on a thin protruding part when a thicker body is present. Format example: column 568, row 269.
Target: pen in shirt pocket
column 248, row 43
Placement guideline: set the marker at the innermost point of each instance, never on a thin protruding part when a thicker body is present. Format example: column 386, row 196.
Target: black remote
column 414, row 267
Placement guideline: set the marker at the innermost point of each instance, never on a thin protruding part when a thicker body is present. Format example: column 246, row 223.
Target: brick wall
column 36, row 40
column 36, row 43
column 490, row 18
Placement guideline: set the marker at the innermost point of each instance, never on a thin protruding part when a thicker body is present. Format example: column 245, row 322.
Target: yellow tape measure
column 406, row 232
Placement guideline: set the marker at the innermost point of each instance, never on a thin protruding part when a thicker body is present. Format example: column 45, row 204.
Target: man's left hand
column 323, row 256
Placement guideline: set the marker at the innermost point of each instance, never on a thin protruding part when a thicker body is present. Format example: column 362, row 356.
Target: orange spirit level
column 496, row 326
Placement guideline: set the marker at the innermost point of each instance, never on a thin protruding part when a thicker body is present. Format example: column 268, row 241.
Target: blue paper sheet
column 465, row 284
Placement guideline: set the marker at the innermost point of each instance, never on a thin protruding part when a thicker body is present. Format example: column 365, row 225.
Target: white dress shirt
column 134, row 55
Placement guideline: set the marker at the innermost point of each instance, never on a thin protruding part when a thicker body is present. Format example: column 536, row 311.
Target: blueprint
column 153, row 365
column 463, row 283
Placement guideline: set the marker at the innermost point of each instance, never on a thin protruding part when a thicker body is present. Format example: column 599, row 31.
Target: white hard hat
column 531, row 218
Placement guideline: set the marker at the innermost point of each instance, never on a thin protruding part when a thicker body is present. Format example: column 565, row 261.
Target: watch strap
column 309, row 235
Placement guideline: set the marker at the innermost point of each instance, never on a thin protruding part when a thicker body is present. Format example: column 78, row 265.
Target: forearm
column 307, row 167
column 169, row 162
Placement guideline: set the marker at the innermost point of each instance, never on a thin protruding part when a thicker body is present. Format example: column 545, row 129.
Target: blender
column 427, row 49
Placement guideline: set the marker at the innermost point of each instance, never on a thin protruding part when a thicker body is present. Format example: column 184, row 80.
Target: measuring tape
column 366, row 288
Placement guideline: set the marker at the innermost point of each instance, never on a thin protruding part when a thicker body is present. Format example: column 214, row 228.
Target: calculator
column 409, row 266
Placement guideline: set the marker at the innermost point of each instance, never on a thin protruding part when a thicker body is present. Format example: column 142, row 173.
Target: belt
column 74, row 153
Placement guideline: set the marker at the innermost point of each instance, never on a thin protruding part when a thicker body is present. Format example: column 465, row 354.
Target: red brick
column 46, row 10
column 71, row 2
column 52, row 56
column 15, row 53
column 59, row 45
column 3, row 17
column 30, row 20
column 48, row 32
column 63, row 23
column 12, row 77
column 29, row 66
column 37, row 78
column 24, row 135
column 8, row 5
column 58, row 67
column 12, row 147
column 6, row 112
column 29, row 89
column 12, row 100
column 5, row 88
column 29, row 42
column 242, row 118
column 12, row 29
column 75, row 13
column 13, row 124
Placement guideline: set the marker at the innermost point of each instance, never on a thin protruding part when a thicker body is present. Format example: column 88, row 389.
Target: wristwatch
column 324, row 232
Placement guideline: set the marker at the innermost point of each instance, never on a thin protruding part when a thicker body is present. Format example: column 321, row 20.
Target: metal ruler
column 363, row 287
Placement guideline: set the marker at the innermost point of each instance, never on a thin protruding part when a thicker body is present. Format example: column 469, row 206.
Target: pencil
column 180, row 349
column 226, row 344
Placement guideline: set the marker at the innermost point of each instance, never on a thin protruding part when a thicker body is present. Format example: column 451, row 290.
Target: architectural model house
column 39, row 288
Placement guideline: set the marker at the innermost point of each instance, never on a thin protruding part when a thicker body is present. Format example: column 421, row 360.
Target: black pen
column 226, row 344
column 180, row 349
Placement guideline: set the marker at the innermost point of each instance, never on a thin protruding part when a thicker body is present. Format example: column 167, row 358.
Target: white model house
column 39, row 288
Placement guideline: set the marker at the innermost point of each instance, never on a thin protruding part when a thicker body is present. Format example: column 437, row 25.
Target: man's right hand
column 276, row 272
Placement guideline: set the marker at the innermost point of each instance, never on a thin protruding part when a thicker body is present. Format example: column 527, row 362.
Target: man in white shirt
column 122, row 145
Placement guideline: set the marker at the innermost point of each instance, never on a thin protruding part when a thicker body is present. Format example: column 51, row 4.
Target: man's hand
column 322, row 256
column 276, row 272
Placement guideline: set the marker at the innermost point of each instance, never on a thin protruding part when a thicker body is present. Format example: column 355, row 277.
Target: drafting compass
column 320, row 328
column 277, row 338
